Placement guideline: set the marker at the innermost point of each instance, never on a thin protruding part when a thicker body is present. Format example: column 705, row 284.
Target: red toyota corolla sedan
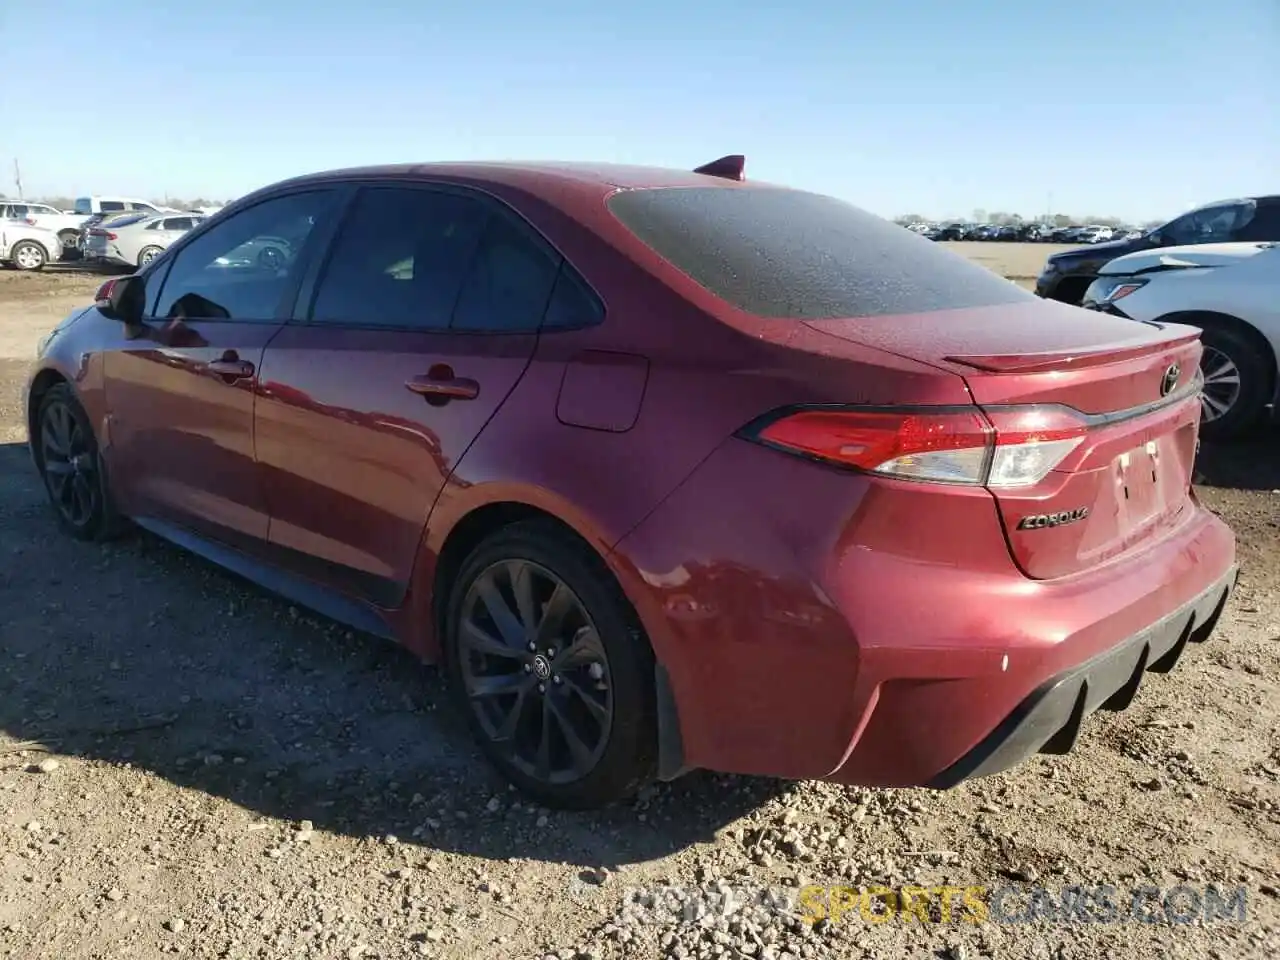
column 670, row 470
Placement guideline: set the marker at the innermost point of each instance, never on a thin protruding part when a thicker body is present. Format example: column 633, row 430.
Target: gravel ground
column 190, row 766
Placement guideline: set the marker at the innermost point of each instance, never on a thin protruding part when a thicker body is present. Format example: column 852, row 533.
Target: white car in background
column 65, row 225
column 1231, row 291
column 28, row 247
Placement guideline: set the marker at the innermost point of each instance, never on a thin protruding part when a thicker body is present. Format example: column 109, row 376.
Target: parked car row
column 1022, row 232
column 72, row 227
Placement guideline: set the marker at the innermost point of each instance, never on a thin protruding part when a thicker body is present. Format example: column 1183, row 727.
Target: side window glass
column 1265, row 224
column 111, row 206
column 242, row 269
column 18, row 210
column 573, row 304
column 510, row 282
column 1212, row 225
column 399, row 259
column 155, row 278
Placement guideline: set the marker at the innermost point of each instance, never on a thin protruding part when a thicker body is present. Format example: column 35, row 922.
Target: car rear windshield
column 789, row 254
column 129, row 219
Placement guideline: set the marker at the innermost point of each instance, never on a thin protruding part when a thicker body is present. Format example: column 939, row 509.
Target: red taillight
column 30, row 221
column 95, row 232
column 1008, row 447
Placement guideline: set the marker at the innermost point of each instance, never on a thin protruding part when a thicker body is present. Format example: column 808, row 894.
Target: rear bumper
column 878, row 633
column 1049, row 719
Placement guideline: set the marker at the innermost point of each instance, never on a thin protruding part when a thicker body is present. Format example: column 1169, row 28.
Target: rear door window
column 789, row 254
column 111, row 206
column 400, row 259
column 510, row 281
column 1265, row 224
column 1216, row 224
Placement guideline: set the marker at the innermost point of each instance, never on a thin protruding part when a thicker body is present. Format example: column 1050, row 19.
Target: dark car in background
column 1067, row 275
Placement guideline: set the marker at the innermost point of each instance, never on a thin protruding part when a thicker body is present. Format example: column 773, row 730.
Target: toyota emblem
column 1170, row 380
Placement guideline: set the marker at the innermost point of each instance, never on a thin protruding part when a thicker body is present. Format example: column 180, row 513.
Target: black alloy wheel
column 552, row 668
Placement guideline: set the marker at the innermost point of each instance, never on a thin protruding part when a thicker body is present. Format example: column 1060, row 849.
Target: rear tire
column 590, row 676
column 147, row 254
column 1237, row 383
column 28, row 255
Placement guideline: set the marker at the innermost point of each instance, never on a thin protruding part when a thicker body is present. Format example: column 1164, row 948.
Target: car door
column 417, row 328
column 180, row 391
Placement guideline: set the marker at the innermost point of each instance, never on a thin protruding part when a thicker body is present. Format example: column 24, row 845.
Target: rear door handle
column 443, row 388
column 234, row 369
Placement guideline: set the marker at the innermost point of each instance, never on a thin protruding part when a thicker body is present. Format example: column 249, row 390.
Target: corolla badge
column 1042, row 521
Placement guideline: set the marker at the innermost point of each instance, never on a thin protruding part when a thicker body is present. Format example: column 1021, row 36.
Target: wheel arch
column 40, row 385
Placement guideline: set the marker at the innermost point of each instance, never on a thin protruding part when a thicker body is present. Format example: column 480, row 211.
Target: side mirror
column 123, row 299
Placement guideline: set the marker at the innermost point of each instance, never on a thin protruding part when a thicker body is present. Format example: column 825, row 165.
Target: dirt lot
column 189, row 766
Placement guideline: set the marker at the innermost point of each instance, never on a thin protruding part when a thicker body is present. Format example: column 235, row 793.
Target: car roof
column 536, row 177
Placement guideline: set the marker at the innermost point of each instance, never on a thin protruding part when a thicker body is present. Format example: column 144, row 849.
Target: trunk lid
column 1132, row 388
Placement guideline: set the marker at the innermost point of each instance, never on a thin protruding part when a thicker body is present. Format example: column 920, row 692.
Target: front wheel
column 1236, row 384
column 72, row 469
column 28, row 255
column 551, row 667
column 147, row 254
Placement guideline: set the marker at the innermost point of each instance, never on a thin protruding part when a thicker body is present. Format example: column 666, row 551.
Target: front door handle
column 231, row 369
column 442, row 389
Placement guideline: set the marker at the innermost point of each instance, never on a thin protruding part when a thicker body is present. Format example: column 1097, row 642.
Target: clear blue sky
column 1137, row 108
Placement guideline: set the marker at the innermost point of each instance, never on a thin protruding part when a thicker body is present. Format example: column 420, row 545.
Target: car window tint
column 789, row 254
column 242, row 268
column 154, row 280
column 509, row 283
column 1265, row 224
column 177, row 223
column 111, row 206
column 1211, row 225
column 83, row 205
column 18, row 210
column 400, row 258
column 573, row 304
